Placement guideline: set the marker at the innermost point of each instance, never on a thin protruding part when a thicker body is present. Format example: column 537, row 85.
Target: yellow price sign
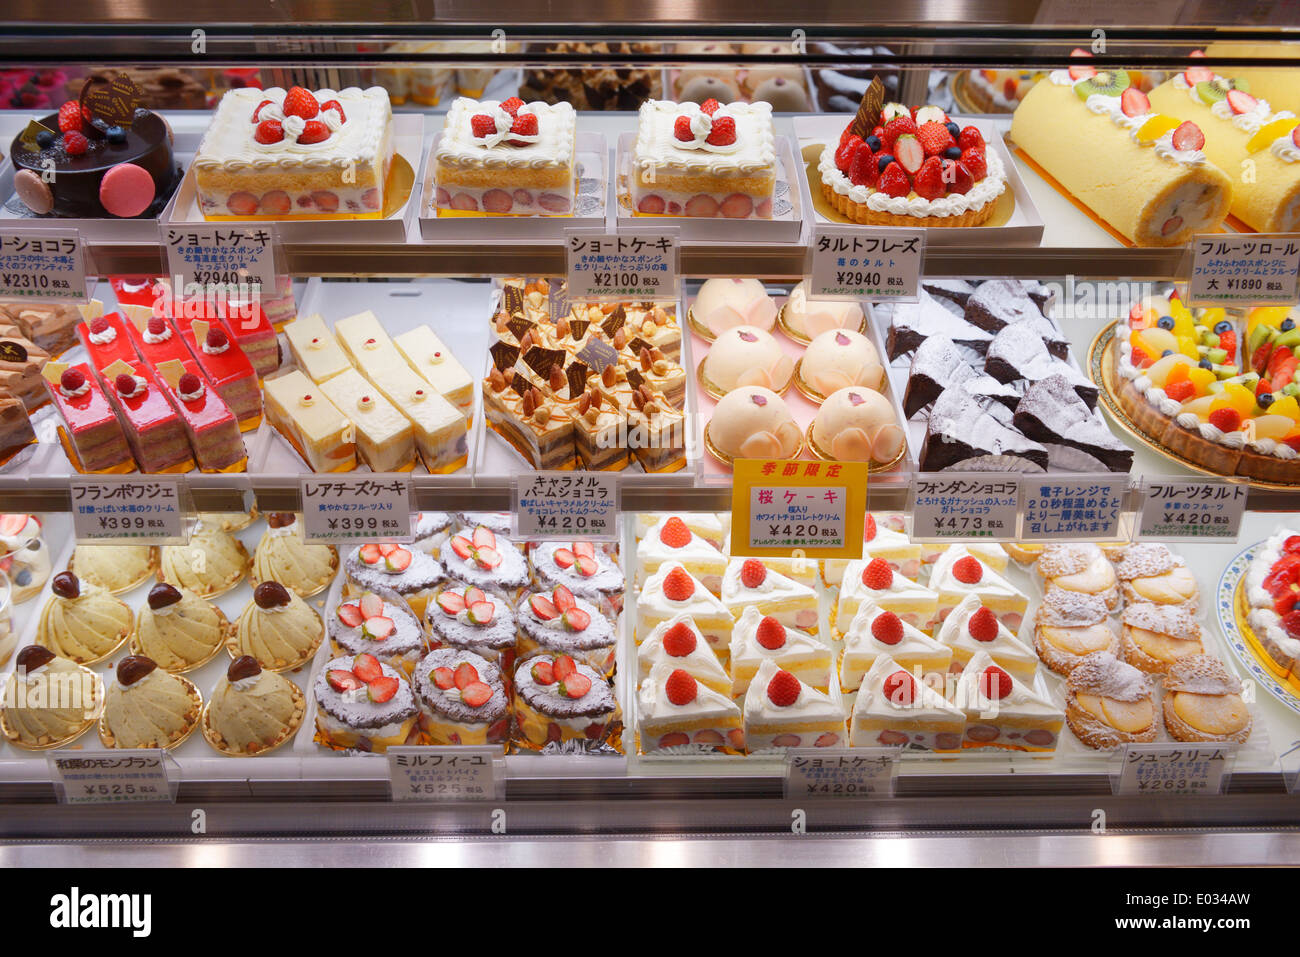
column 783, row 506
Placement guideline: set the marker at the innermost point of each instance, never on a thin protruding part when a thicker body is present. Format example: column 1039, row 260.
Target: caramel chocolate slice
column 504, row 355
column 577, row 373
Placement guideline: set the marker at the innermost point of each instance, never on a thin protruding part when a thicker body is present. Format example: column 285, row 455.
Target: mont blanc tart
column 252, row 711
column 875, row 632
column 282, row 556
column 1150, row 572
column 678, row 644
column 1069, row 626
column 1109, row 703
column 363, row 704
column 972, row 628
column 82, row 622
column 895, row 708
column 675, row 709
column 147, row 707
column 754, row 422
column 212, row 563
column 758, row 637
column 857, row 424
column 1003, row 712
column 49, row 700
column 115, row 568
column 723, row 304
column 805, row 318
column 745, row 355
column 462, row 699
column 1153, row 637
column 381, row 626
column 749, row 582
column 783, row 712
column 837, row 360
column 279, row 629
column 177, row 629
column 1203, row 701
column 1080, row 567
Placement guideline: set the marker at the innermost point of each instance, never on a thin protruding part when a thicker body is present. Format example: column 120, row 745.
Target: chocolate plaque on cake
column 577, row 374
column 520, row 385
column 578, row 328
column 520, row 327
column 115, row 102
column 512, row 299
column 597, row 354
column 540, row 359
column 503, row 354
column 617, row 319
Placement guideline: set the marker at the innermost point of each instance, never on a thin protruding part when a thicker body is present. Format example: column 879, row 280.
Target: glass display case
column 381, row 483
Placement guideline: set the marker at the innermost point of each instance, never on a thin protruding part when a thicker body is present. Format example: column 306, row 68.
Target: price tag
column 1177, row 510
column 854, row 773
column 1078, row 507
column 564, row 505
column 446, row 774
column 1245, row 269
column 947, row 505
column 112, row 778
column 371, row 508
column 854, row 262
column 109, row 509
column 798, row 507
column 42, row 265
column 1164, row 769
column 241, row 255
column 640, row 265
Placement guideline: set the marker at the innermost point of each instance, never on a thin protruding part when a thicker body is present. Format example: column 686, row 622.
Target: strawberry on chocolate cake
column 383, row 627
column 389, row 569
column 462, row 699
column 584, row 569
column 559, row 623
column 363, row 704
column 471, row 619
column 558, row 700
column 486, row 560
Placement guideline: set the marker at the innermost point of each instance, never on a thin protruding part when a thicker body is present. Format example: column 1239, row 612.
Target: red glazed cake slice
column 226, row 367
column 253, row 333
column 155, row 337
column 153, row 429
column 91, row 423
column 209, row 423
column 106, row 340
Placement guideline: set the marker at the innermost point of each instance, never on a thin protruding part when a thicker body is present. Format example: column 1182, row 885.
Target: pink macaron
column 126, row 190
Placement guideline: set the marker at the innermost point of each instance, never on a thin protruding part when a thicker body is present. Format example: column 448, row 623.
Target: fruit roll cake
column 1144, row 174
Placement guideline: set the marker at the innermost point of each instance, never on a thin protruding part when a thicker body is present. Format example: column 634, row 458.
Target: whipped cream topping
column 810, row 705
column 196, row 394
column 653, row 703
column 155, row 338
column 108, row 334
column 657, row 147
column 551, row 147
column 926, row 705
column 78, row 391
column 215, row 350
column 702, row 126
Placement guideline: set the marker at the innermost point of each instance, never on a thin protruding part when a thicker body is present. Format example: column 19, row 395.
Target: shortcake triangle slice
column 875, row 631
column 678, row 643
column 675, row 710
column 1003, row 712
column 895, row 707
column 758, row 638
column 970, row 628
column 783, row 712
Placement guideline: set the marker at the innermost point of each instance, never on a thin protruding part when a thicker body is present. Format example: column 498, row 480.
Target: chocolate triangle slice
column 1014, row 355
column 1052, row 412
column 937, row 364
column 999, row 303
column 963, row 433
column 913, row 323
column 954, row 290
column 1007, row 395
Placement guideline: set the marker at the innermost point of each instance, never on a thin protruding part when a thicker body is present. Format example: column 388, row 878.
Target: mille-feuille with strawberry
column 486, row 560
column 462, row 699
column 585, row 570
column 471, row 619
column 383, row 627
column 364, row 704
column 389, row 569
column 559, row 623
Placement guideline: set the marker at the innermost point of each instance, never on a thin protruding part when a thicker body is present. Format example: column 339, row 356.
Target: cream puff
column 1203, row 701
column 1109, row 703
column 1080, row 567
column 1071, row 625
column 1155, row 636
column 1151, row 572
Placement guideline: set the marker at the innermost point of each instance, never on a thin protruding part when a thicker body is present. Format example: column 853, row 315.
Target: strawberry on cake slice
column 677, row 643
column 1004, row 712
column 875, row 631
column 877, row 581
column 896, row 708
column 673, row 591
column 389, row 569
column 462, row 699
column 487, row 560
column 675, row 710
column 971, row 628
column 671, row 539
column 959, row 573
column 749, row 582
column 783, row 712
column 758, row 637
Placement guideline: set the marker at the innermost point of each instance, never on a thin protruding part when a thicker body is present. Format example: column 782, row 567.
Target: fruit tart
column 379, row 626
column 364, row 704
column 783, row 712
column 585, row 570
column 1154, row 637
column 472, row 619
column 560, row 623
column 558, row 700
column 676, row 710
column 462, row 699
column 1203, row 702
column 486, row 560
column 177, row 629
column 1069, row 626
column 1268, row 596
column 277, row 628
column 1109, row 703
column 82, row 622
column 895, row 166
column 388, row 569
column 678, row 644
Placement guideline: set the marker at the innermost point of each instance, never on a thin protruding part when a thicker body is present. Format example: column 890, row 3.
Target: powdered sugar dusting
column 1101, row 673
column 1146, row 560
column 1070, row 609
column 1201, row 674
column 1173, row 620
column 1067, row 559
column 364, row 713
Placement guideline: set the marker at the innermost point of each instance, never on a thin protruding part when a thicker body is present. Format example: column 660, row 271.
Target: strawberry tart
column 1268, row 598
column 704, row 160
column 558, row 700
column 363, row 704
column 276, row 154
column 506, row 158
column 895, row 166
column 558, row 623
column 462, row 699
column 674, row 710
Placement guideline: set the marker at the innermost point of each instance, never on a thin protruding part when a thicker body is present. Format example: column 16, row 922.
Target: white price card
column 1191, row 509
column 950, row 505
column 1059, row 507
column 238, row 255
column 114, row 777
column 356, row 507
column 42, row 265
column 625, row 265
column 855, row 262
column 143, row 508
column 1170, row 768
column 565, row 505
column 840, row 773
column 1238, row 269
column 446, row 774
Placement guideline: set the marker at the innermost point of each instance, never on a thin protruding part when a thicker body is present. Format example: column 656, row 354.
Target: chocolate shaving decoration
column 615, row 321
column 577, row 373
column 512, row 300
column 597, row 354
column 540, row 360
column 520, row 385
column 635, row 377
column 503, row 354
column 578, row 327
column 519, row 326
column 873, row 101
column 636, row 344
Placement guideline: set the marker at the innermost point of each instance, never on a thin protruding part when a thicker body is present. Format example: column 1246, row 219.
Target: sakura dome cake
column 745, row 355
column 752, row 422
column 857, row 425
